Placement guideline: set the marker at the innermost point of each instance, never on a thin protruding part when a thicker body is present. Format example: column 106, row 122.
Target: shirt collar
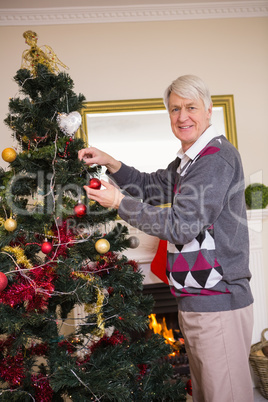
column 199, row 144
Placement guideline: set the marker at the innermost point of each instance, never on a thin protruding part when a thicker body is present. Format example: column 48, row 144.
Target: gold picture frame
column 224, row 104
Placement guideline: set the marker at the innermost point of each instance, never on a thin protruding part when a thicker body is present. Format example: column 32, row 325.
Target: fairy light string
column 85, row 385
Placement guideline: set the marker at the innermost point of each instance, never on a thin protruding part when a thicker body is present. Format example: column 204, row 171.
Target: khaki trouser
column 218, row 346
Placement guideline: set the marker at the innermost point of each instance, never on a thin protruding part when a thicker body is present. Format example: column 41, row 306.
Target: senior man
column 206, row 229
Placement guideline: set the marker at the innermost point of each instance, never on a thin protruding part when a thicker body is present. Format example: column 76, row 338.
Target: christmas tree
column 59, row 250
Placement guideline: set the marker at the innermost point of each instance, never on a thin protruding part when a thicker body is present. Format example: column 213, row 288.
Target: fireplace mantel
column 256, row 218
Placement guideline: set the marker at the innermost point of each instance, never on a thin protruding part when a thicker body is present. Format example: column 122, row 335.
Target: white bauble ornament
column 69, row 123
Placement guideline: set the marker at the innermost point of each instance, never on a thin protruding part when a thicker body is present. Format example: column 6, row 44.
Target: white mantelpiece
column 146, row 251
column 259, row 288
column 143, row 254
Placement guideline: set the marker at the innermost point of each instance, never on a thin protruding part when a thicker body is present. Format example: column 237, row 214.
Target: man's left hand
column 109, row 197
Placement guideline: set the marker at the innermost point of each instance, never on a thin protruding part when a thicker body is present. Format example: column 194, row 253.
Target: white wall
column 138, row 60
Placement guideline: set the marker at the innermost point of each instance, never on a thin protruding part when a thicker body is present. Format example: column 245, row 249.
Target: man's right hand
column 93, row 155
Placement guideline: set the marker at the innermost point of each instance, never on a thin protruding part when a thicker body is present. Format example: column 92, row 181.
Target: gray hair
column 189, row 87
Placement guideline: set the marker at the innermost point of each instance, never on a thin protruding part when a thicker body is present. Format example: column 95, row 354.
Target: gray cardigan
column 206, row 225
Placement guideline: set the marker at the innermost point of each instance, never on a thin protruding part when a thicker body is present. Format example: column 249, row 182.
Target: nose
column 182, row 115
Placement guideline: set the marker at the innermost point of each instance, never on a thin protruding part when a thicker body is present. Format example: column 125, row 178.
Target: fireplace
column 165, row 305
column 164, row 301
column 165, row 314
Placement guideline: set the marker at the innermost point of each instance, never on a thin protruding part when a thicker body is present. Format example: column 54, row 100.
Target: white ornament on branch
column 69, row 123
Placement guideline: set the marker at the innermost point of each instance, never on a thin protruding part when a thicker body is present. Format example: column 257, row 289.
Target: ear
column 209, row 111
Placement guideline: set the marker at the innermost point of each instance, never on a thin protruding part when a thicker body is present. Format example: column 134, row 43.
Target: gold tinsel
column 37, row 55
column 19, row 255
column 95, row 308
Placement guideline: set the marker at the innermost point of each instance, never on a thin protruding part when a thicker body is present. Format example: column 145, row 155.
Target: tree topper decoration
column 46, row 56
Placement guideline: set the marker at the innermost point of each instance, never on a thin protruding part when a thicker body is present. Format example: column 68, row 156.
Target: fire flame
column 161, row 329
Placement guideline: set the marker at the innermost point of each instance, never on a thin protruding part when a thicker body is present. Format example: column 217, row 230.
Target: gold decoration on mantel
column 39, row 55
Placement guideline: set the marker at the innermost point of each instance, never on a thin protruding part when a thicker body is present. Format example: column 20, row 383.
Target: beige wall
column 138, row 60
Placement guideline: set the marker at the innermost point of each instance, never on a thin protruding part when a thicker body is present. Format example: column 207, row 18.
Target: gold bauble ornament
column 10, row 225
column 9, row 155
column 102, row 246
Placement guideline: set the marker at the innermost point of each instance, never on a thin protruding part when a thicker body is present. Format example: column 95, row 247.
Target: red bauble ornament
column 80, row 210
column 94, row 183
column 3, row 281
column 189, row 387
column 46, row 247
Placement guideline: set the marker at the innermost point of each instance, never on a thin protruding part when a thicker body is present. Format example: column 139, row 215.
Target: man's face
column 188, row 119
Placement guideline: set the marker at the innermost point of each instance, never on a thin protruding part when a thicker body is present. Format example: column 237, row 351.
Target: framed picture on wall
column 138, row 131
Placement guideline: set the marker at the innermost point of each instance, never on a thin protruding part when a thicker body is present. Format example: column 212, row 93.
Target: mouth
column 184, row 127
